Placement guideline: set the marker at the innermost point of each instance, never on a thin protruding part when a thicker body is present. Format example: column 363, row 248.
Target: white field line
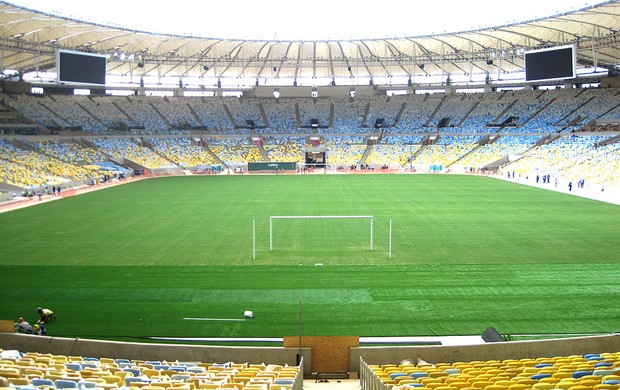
column 212, row 319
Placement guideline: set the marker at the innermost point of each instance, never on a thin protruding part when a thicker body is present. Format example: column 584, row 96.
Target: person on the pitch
column 45, row 315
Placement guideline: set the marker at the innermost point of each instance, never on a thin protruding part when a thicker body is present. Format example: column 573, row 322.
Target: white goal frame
column 272, row 217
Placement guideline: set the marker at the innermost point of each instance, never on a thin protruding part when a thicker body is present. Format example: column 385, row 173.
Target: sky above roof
column 298, row 20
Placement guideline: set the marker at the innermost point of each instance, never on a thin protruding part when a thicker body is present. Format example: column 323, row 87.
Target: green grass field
column 132, row 261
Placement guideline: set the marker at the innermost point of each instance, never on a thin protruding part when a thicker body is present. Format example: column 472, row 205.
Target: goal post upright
column 372, row 224
column 272, row 217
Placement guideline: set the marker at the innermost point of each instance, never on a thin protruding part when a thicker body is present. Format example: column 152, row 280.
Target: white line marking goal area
column 276, row 217
column 212, row 319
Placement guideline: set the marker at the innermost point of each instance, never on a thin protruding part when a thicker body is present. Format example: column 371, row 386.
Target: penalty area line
column 212, row 319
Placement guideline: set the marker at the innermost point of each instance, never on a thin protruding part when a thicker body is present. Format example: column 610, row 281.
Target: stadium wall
column 487, row 351
column 154, row 351
column 282, row 355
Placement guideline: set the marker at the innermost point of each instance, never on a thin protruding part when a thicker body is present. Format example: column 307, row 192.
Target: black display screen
column 550, row 64
column 82, row 68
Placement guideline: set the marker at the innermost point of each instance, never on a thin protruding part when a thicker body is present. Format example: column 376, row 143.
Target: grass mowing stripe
column 469, row 252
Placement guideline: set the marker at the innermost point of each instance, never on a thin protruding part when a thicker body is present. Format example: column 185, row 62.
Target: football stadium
column 225, row 209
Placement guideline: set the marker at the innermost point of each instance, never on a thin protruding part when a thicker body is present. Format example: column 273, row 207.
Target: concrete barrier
column 148, row 351
column 488, row 351
column 288, row 356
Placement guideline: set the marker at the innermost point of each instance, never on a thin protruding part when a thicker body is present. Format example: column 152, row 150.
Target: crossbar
column 318, row 216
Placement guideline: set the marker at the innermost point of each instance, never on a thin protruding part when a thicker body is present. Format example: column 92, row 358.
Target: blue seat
column 134, row 370
column 179, row 368
column 418, row 374
column 131, row 379
column 283, row 382
column 579, row 374
column 83, row 384
column 603, row 364
column 415, row 384
column 42, row 382
column 66, row 384
column 540, row 376
column 161, row 367
column 74, row 366
column 180, row 377
column 397, row 374
column 611, row 382
column 541, row 365
column 604, row 371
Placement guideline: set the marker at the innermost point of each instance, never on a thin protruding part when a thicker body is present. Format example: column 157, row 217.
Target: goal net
column 293, row 230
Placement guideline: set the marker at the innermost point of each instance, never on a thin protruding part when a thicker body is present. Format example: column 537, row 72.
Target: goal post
column 274, row 217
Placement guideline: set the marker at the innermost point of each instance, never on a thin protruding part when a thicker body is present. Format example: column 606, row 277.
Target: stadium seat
column 543, row 386
column 74, row 366
column 66, row 384
column 135, row 381
column 519, row 386
column 41, row 382
column 19, row 382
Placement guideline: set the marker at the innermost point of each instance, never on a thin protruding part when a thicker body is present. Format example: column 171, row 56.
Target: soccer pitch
column 468, row 252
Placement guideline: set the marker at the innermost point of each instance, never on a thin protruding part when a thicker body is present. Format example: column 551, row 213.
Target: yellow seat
column 445, row 387
column 496, row 387
column 9, row 372
column 543, row 386
column 149, row 372
column 519, row 386
column 428, row 380
column 233, row 385
column 588, row 382
column 505, row 382
column 460, row 385
column 406, row 381
column 605, row 387
column 19, row 381
column 113, row 379
column 434, row 386
column 565, row 384
column 180, row 387
column 551, row 380
column 480, row 383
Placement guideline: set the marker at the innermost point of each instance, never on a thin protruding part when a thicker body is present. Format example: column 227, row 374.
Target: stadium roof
column 29, row 40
